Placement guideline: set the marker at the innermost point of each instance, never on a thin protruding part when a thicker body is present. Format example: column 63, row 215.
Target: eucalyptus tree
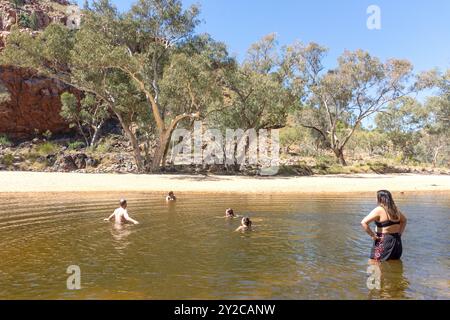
column 403, row 122
column 336, row 101
column 436, row 139
column 256, row 96
column 136, row 63
column 87, row 115
column 147, row 45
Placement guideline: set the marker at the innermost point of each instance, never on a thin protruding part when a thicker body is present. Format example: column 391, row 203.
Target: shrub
column 76, row 145
column 7, row 159
column 46, row 148
column 103, row 147
column 4, row 141
column 25, row 21
column 338, row 169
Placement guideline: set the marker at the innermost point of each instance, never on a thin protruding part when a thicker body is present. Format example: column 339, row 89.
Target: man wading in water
column 121, row 214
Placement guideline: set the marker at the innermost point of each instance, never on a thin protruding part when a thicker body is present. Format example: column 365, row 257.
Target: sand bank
column 357, row 183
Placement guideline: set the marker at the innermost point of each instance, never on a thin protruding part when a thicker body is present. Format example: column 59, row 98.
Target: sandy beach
column 358, row 183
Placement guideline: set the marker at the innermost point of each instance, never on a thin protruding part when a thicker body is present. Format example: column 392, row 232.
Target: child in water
column 229, row 213
column 121, row 214
column 246, row 225
column 171, row 197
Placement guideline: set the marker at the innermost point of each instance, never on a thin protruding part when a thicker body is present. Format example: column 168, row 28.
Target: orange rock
column 34, row 103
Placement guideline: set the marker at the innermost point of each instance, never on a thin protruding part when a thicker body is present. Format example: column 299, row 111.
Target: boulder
column 80, row 160
column 92, row 163
column 65, row 163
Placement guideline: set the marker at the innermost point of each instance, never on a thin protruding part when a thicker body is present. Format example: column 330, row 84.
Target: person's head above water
column 171, row 194
column 386, row 201
column 123, row 203
column 229, row 212
column 246, row 222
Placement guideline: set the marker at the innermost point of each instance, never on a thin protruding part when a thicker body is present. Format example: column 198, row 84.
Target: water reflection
column 120, row 234
column 393, row 283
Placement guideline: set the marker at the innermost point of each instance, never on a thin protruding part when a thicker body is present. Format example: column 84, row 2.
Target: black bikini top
column 386, row 223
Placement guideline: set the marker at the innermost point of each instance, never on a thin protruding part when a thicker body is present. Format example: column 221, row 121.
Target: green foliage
column 7, row 159
column 24, row 20
column 88, row 115
column 76, row 145
column 255, row 91
column 103, row 147
column 47, row 148
column 34, row 21
column 4, row 141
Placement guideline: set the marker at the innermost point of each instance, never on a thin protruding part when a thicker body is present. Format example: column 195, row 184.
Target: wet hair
column 229, row 212
column 247, row 222
column 122, row 202
column 171, row 193
column 386, row 201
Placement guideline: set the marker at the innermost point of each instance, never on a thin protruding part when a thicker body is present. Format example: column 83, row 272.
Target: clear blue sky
column 411, row 29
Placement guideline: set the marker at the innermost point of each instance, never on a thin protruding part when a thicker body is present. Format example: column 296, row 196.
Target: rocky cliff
column 33, row 103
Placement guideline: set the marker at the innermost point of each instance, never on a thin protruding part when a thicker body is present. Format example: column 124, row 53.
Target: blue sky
column 411, row 29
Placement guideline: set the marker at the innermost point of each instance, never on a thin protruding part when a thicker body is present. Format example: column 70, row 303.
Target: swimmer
column 246, row 225
column 171, row 197
column 121, row 214
column 229, row 213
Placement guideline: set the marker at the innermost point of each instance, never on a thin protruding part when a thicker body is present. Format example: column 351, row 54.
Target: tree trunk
column 134, row 143
column 96, row 134
column 159, row 158
column 136, row 149
column 339, row 152
column 435, row 156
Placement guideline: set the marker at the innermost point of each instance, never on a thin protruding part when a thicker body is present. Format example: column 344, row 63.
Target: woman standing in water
column 390, row 224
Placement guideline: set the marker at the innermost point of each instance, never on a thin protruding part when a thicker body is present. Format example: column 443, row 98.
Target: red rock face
column 34, row 103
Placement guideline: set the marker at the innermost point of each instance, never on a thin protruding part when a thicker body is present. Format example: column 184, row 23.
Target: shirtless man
column 246, row 225
column 171, row 197
column 121, row 214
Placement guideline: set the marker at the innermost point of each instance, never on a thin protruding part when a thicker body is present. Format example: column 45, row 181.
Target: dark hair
column 386, row 201
column 247, row 222
column 123, row 202
column 230, row 212
column 171, row 193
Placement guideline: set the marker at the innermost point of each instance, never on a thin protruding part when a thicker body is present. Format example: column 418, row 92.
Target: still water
column 302, row 247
